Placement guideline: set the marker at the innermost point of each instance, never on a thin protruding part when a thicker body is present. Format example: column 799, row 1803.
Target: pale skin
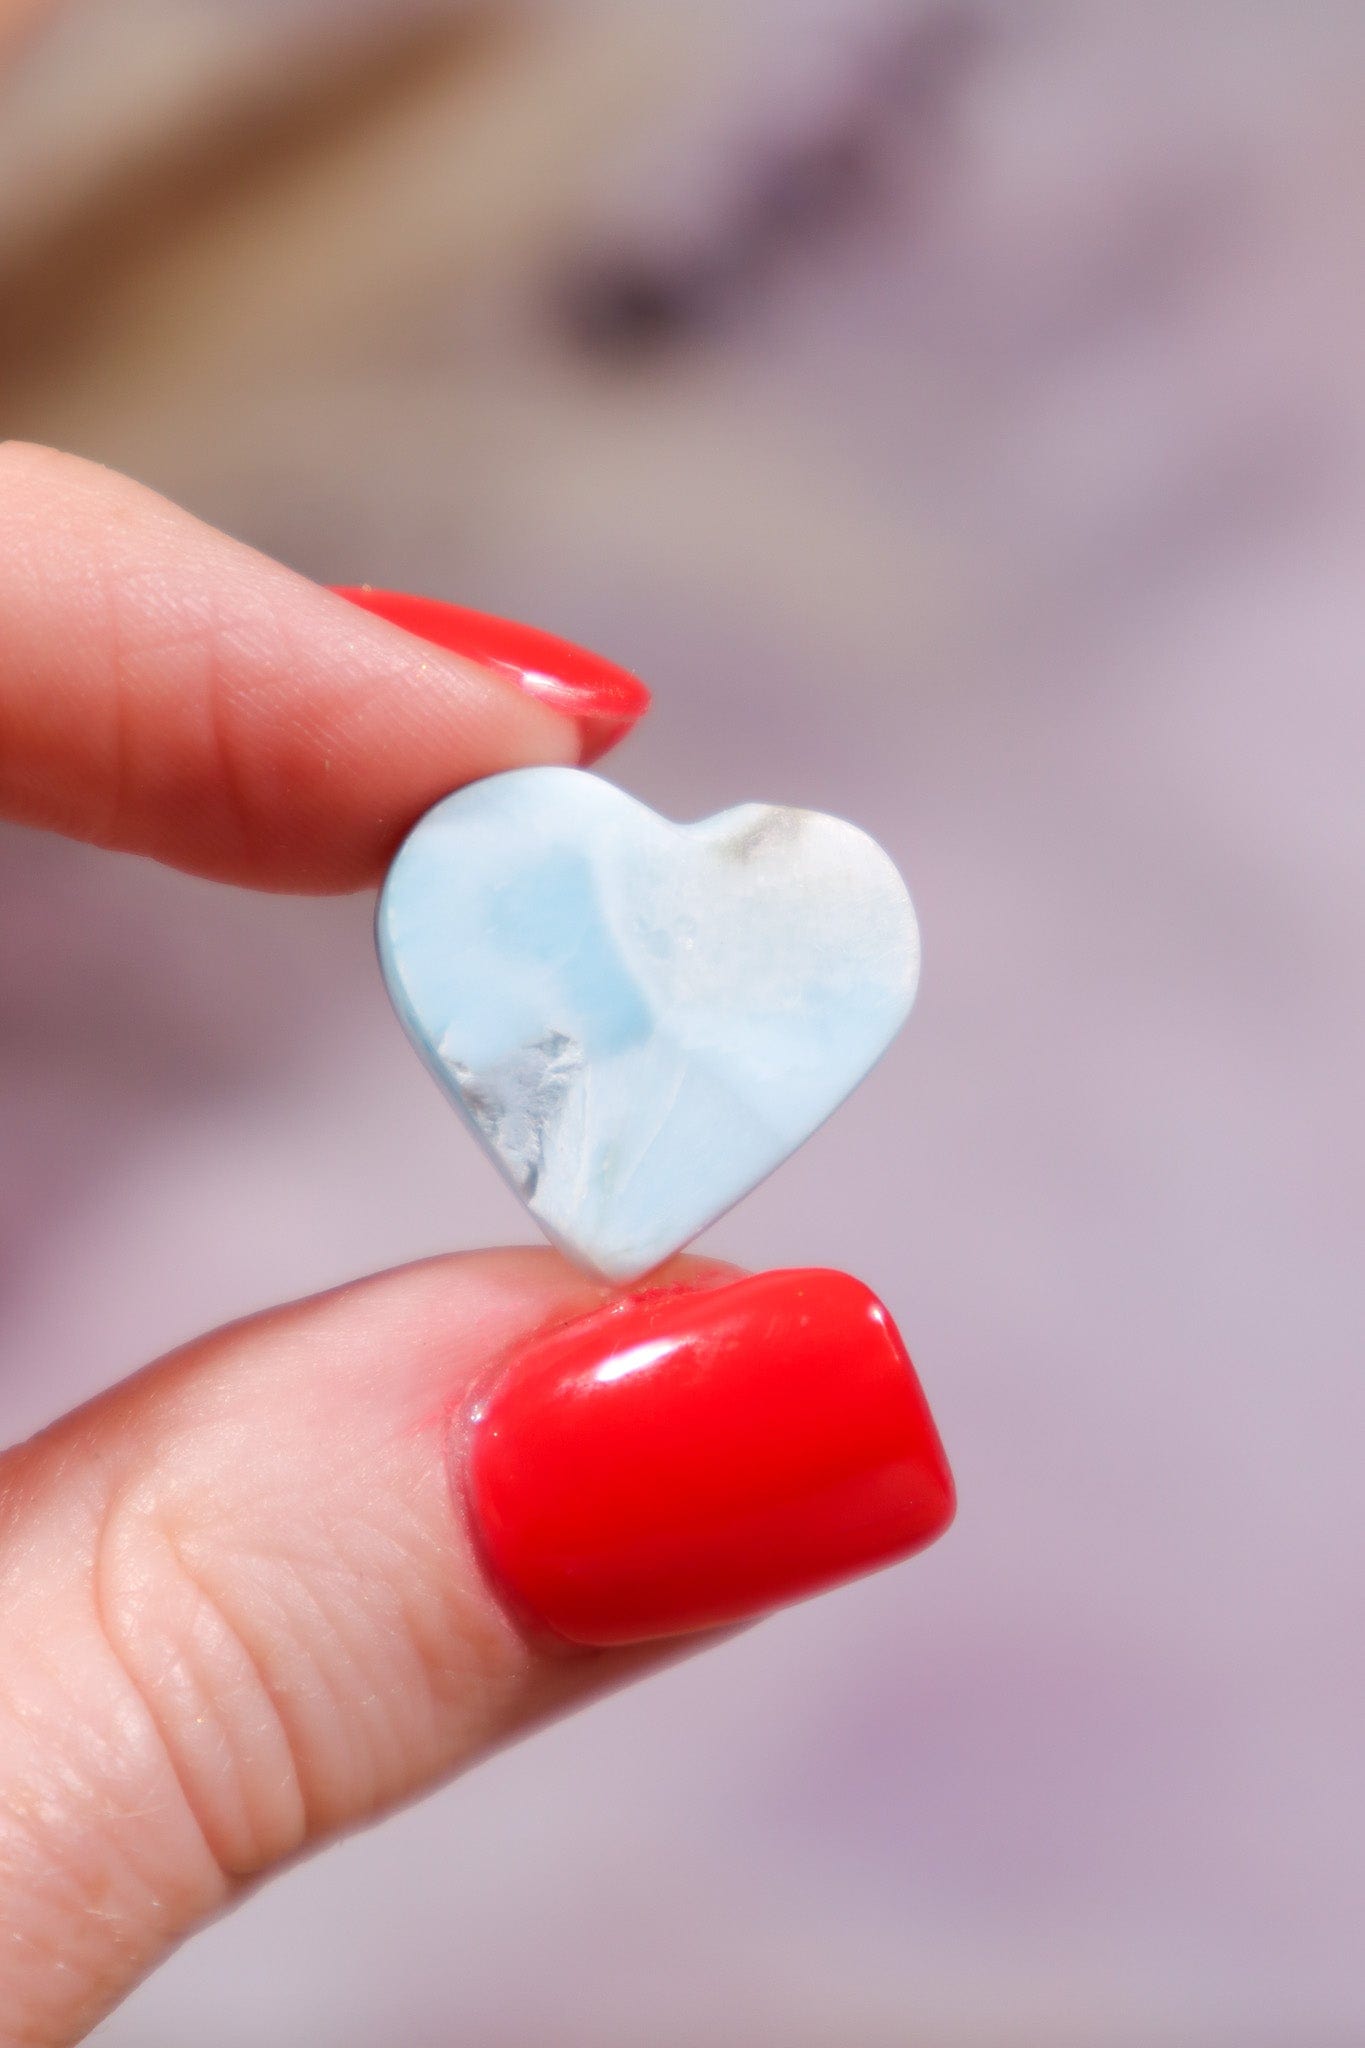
column 239, row 1606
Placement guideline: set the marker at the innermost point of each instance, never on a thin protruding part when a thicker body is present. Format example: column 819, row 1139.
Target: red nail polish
column 692, row 1457
column 605, row 700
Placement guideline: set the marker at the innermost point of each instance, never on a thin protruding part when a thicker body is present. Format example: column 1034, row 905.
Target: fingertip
column 604, row 700
column 166, row 690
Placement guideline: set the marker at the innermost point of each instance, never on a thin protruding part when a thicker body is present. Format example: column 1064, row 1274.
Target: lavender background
column 955, row 413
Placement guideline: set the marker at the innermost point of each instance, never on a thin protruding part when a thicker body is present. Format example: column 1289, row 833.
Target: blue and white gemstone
column 639, row 1020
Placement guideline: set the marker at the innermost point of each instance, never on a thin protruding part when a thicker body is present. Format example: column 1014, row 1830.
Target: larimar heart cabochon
column 639, row 1020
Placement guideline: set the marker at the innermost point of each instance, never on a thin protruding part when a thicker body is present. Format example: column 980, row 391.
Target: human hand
column 310, row 1565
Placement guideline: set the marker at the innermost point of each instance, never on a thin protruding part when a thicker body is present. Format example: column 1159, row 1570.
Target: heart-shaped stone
column 637, row 1019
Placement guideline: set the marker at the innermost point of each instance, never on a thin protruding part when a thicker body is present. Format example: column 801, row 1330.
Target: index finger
column 168, row 691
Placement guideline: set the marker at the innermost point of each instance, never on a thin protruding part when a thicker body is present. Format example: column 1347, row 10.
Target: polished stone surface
column 640, row 1020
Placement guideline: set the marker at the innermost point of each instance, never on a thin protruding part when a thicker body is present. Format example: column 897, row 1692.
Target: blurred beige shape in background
column 955, row 411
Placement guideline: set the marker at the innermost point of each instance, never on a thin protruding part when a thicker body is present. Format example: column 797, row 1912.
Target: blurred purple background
column 955, row 412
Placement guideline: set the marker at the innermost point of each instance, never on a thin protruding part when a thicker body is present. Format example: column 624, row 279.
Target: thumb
column 312, row 1564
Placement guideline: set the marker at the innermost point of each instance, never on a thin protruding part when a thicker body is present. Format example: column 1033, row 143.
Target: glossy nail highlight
column 694, row 1456
column 606, row 701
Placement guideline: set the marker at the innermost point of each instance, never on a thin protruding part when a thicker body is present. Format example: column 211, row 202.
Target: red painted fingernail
column 698, row 1455
column 606, row 700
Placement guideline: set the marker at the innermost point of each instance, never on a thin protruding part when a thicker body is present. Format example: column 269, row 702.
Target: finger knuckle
column 215, row 1708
